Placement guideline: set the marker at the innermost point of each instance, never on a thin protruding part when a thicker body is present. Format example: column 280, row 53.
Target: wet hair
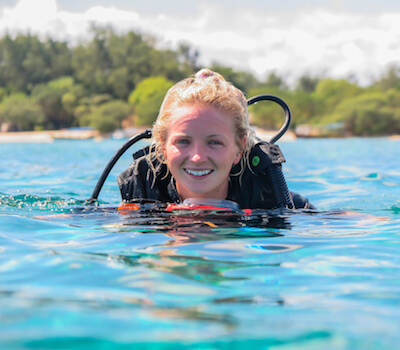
column 211, row 89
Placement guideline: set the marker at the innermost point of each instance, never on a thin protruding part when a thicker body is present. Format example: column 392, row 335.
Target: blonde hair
column 209, row 88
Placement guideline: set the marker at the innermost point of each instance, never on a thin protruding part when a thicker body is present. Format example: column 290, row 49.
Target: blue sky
column 335, row 38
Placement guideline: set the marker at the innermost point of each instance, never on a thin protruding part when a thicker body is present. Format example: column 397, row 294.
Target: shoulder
column 147, row 178
column 144, row 165
column 138, row 167
column 262, row 184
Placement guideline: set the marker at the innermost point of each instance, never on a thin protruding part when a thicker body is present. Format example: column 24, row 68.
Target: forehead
column 200, row 116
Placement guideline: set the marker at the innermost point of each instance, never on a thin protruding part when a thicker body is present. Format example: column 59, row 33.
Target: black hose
column 279, row 185
column 285, row 107
column 144, row 135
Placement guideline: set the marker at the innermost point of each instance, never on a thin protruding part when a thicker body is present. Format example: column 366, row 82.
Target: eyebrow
column 180, row 135
column 215, row 135
column 186, row 135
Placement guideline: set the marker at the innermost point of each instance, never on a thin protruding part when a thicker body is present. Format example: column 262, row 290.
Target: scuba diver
column 203, row 147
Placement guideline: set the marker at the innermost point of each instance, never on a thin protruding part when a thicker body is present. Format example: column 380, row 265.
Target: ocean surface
column 74, row 276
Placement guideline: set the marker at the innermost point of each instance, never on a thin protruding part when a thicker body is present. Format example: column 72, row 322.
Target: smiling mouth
column 198, row 172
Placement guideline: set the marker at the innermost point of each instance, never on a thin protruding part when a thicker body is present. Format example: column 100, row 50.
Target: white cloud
column 338, row 44
column 23, row 15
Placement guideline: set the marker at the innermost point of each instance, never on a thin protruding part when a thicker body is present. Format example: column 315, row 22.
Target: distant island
column 117, row 81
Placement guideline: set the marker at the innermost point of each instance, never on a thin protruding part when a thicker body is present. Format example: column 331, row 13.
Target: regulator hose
column 144, row 135
column 279, row 185
column 285, row 107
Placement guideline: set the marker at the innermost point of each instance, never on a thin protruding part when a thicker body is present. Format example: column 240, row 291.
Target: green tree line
column 49, row 84
column 335, row 106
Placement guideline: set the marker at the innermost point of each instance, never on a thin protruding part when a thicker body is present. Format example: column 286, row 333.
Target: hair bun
column 204, row 73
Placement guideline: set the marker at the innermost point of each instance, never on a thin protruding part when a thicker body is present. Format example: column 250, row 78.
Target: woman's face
column 200, row 150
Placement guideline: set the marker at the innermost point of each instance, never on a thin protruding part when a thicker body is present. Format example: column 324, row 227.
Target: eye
column 215, row 143
column 181, row 141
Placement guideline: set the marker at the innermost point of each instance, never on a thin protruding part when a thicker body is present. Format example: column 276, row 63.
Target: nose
column 198, row 154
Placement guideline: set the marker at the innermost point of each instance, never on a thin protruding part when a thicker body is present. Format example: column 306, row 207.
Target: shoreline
column 49, row 136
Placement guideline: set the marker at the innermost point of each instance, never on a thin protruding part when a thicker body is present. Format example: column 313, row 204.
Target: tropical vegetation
column 113, row 77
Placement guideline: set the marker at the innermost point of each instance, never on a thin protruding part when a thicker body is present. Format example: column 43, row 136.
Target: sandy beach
column 78, row 134
column 46, row 136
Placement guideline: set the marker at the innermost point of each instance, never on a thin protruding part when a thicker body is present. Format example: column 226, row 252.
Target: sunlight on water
column 75, row 276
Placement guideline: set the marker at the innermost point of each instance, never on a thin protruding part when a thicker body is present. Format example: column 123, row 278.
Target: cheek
column 171, row 153
column 227, row 158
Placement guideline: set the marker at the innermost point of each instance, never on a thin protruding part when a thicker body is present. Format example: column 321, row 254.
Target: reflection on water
column 222, row 274
column 75, row 276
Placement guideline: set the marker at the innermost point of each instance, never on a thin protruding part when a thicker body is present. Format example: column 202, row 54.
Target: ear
column 164, row 152
column 240, row 150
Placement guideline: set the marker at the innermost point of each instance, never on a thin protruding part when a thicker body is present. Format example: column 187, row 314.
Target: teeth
column 198, row 172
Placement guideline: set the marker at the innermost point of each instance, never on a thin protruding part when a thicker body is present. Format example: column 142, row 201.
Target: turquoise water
column 79, row 278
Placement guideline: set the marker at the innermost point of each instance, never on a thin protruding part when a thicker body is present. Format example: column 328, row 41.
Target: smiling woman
column 202, row 148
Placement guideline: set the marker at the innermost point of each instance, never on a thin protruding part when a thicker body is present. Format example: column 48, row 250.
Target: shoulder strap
column 263, row 155
column 266, row 159
column 141, row 152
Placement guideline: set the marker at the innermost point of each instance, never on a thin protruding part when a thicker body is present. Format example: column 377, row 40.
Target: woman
column 202, row 148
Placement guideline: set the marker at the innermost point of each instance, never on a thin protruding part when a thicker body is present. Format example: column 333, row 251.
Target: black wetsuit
column 254, row 189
